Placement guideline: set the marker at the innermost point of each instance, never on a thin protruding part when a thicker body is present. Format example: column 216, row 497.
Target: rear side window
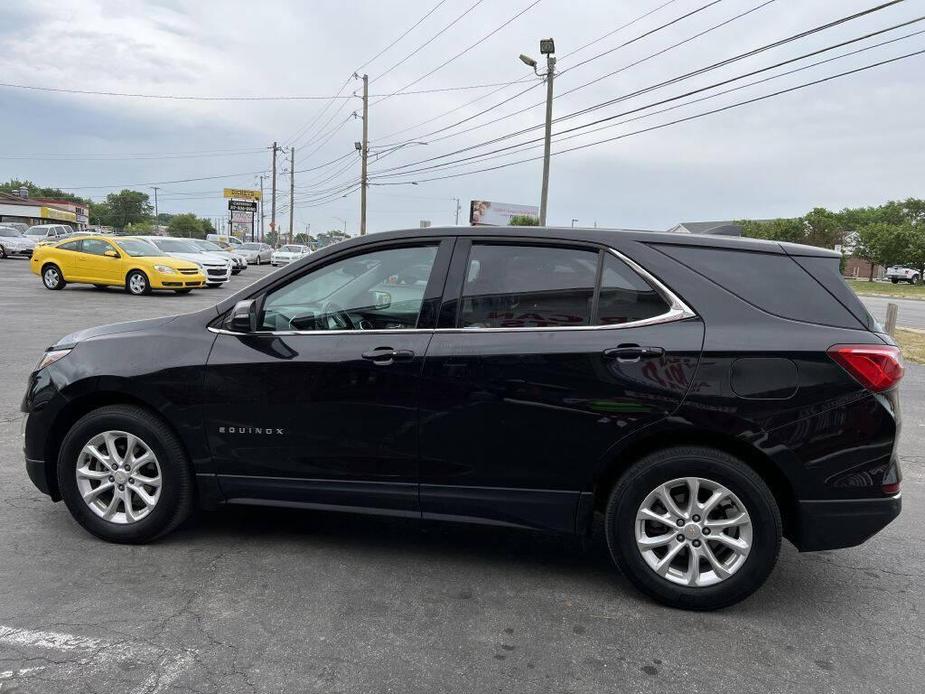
column 69, row 246
column 528, row 287
column 625, row 296
column 826, row 271
column 773, row 282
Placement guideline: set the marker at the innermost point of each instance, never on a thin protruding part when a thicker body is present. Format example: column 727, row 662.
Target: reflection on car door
column 314, row 411
column 534, row 375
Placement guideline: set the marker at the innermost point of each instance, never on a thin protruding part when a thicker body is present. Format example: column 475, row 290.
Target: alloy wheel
column 137, row 284
column 119, row 477
column 693, row 532
column 52, row 277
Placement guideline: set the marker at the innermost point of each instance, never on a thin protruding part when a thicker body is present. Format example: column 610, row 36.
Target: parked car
column 704, row 395
column 224, row 239
column 289, row 253
column 47, row 233
column 216, row 268
column 108, row 262
column 12, row 242
column 18, row 226
column 256, row 253
column 239, row 262
column 898, row 273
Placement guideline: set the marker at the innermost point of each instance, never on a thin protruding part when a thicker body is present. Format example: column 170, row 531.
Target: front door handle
column 633, row 352
column 383, row 356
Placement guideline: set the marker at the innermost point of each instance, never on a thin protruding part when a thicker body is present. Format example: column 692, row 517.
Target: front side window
column 94, row 246
column 138, row 248
column 379, row 290
column 528, row 287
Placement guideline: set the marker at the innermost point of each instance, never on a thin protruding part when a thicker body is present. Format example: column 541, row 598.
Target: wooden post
column 892, row 311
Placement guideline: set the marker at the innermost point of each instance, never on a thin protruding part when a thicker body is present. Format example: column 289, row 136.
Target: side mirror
column 244, row 317
column 110, row 254
column 381, row 300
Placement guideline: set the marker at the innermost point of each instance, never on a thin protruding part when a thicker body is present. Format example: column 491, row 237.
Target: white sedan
column 14, row 243
column 288, row 254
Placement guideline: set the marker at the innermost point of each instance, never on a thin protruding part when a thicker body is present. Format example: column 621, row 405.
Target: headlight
column 165, row 270
column 51, row 357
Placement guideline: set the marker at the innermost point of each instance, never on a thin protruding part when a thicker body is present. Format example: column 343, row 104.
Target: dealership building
column 20, row 208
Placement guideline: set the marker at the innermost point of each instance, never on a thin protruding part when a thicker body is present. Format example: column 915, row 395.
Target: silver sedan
column 256, row 253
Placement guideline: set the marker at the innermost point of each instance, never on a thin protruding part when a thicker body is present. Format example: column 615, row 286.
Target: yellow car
column 104, row 261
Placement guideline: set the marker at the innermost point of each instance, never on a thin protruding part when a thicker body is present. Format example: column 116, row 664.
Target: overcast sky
column 853, row 141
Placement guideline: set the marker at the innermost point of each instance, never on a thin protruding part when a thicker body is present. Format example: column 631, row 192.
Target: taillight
column 876, row 367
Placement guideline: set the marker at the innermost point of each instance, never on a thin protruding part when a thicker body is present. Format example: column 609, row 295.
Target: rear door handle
column 383, row 356
column 633, row 352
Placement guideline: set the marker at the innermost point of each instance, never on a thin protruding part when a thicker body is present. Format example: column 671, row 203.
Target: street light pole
column 547, row 48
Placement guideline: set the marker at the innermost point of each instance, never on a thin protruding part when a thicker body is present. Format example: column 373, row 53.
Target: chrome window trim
column 677, row 310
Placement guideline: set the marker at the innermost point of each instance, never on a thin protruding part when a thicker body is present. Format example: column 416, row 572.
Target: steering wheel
column 331, row 312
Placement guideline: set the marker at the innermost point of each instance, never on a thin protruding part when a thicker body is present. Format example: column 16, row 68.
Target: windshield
column 208, row 246
column 35, row 231
column 176, row 246
column 137, row 248
column 250, row 246
column 291, row 249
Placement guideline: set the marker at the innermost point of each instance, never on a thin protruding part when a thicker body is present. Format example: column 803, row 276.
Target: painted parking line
column 99, row 652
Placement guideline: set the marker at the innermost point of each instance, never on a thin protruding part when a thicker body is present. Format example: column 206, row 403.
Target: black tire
column 137, row 283
column 2, row 253
column 894, row 281
column 52, row 277
column 176, row 500
column 669, row 464
column 183, row 291
column 915, row 281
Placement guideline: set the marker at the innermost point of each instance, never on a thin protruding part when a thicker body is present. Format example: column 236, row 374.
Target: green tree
column 14, row 184
column 186, row 225
column 524, row 220
column 792, row 230
column 121, row 209
column 272, row 238
column 207, row 226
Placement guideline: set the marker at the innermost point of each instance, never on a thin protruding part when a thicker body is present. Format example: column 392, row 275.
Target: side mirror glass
column 111, row 254
column 381, row 300
column 244, row 317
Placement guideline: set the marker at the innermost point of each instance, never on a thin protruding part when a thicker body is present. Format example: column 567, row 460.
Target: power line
column 407, row 31
column 629, row 42
column 658, row 85
column 533, row 144
column 479, row 42
column 133, row 157
column 521, row 80
column 428, row 42
column 680, row 120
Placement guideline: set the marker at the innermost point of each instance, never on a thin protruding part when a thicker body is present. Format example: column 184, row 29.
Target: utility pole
column 273, row 204
column 291, row 190
column 364, row 154
column 261, row 210
column 157, row 223
column 458, row 208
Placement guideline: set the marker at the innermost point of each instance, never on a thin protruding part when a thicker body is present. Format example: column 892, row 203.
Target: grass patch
column 900, row 291
column 912, row 344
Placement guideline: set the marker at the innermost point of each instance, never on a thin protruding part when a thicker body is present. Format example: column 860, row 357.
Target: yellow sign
column 242, row 194
column 60, row 215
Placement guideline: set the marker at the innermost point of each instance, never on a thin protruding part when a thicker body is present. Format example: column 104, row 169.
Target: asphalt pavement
column 261, row 600
column 911, row 311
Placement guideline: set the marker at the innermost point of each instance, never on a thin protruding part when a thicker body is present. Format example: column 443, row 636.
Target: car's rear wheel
column 693, row 527
column 895, row 280
column 137, row 283
column 52, row 277
column 124, row 475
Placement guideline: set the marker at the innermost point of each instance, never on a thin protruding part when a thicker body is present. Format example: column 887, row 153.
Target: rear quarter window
column 772, row 282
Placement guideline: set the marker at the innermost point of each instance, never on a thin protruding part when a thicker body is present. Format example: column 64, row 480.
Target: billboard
column 487, row 213
column 242, row 194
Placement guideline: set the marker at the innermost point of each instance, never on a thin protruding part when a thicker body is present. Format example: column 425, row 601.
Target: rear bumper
column 842, row 523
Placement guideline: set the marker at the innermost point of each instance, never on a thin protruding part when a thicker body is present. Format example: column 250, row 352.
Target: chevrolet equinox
column 706, row 395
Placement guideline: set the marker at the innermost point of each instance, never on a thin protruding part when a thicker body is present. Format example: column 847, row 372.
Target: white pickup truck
column 898, row 273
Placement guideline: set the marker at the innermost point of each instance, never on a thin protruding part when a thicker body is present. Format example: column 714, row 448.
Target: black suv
column 706, row 395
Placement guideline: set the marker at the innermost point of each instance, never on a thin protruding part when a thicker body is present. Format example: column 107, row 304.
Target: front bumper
column 216, row 275
column 834, row 524
column 177, row 281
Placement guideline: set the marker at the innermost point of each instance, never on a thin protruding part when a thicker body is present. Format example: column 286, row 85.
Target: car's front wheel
column 52, row 277
column 2, row 252
column 137, row 283
column 693, row 527
column 124, row 475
